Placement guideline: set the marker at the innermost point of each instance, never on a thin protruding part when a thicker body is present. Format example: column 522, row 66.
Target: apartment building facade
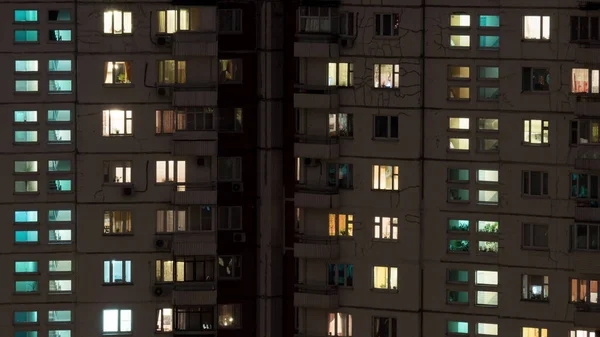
column 445, row 167
column 135, row 134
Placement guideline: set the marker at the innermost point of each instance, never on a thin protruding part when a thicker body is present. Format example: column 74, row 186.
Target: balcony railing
column 316, row 247
column 314, row 89
column 309, row 139
column 187, row 187
column 317, row 189
column 315, row 289
column 587, row 307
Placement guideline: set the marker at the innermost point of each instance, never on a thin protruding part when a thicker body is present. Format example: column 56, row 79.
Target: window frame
column 349, row 74
column 110, row 175
column 230, row 226
column 541, row 37
column 527, row 284
column 125, row 272
column 160, row 320
column 394, row 226
column 235, row 310
column 179, row 72
column 236, row 176
column 453, row 78
column 527, row 134
column 179, row 12
column 388, row 286
column 389, row 121
column 108, row 124
column 526, row 184
column 376, row 183
column 395, row 78
column 378, row 29
column 530, row 227
column 237, row 19
column 335, row 227
column 171, row 176
column 119, row 321
column 238, row 264
column 113, row 19
column 389, row 324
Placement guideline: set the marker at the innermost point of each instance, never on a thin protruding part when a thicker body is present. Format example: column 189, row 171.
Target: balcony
column 587, row 315
column 194, row 194
column 321, row 297
column 315, row 97
column 199, row 94
column 317, row 147
column 316, row 247
column 307, row 196
column 587, row 211
column 196, row 293
column 194, row 243
column 189, row 43
column 588, row 157
column 194, row 143
column 587, row 105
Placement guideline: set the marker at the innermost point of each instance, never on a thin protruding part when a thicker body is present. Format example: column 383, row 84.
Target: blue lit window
column 489, row 42
column 26, row 286
column 59, row 115
column 59, row 136
column 59, row 65
column 26, row 136
column 59, row 35
column 59, row 215
column 63, row 185
column 489, row 21
column 26, row 15
column 26, row 317
column 60, row 86
column 26, row 35
column 59, row 15
column 62, row 165
column 26, row 236
column 59, row 236
column 26, row 216
column 26, row 86
column 489, row 73
column 26, row 267
column 26, row 334
column 25, row 116
column 488, row 94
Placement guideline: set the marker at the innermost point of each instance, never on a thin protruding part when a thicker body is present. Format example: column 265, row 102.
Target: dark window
column 535, row 183
column 230, row 267
column 535, row 236
column 195, row 318
column 584, row 186
column 340, row 275
column 387, row 24
column 536, row 79
column 386, row 127
column 195, row 269
column 384, row 327
column 230, row 119
column 584, row 28
column 340, row 175
column 230, row 20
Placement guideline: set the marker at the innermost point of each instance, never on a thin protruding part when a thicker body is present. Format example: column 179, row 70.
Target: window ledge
column 457, row 151
column 536, row 92
column 385, row 37
column 386, row 240
column 385, row 139
column 488, row 203
column 535, row 144
column 114, row 85
column 60, row 42
column 117, row 284
column 60, row 192
column 384, row 89
column 459, row 232
column 487, row 253
column 535, row 301
column 458, row 201
column 117, row 234
column 459, row 79
column 27, row 274
column 26, row 93
column 26, row 143
column 463, row 182
column 459, row 130
column 129, row 184
column 117, row 333
column 458, row 252
column 380, row 290
column 527, row 196
column 26, row 193
column 26, row 293
column 457, row 303
column 536, row 40
column 458, row 99
column 487, row 49
column 533, row 248
column 25, row 42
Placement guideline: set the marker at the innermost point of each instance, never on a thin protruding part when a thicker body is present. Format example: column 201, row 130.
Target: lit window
column 59, row 286
column 386, row 228
column 458, row 328
column 384, row 327
column 164, row 271
column 536, row 27
column 170, row 171
column 118, row 72
column 164, row 320
column 62, row 316
column 386, row 177
column 458, row 72
column 487, row 226
column 117, row 222
column 26, row 186
column 458, row 195
column 487, row 247
column 26, row 66
column 535, row 236
column 488, row 329
column 230, row 71
column 60, row 15
column 489, row 42
column 59, row 35
column 196, row 119
column 340, row 74
column 59, row 236
column 62, row 165
column 24, row 267
column 193, row 218
column 456, row 175
column 458, row 144
column 171, row 72
column 488, row 94
column 460, row 41
column 117, row 271
column 21, row 317
column 26, row 216
column 575, row 333
column 55, row 86
column 26, row 287
column 117, row 122
column 26, row 36
column 167, row 221
column 230, row 217
column 486, row 278
column 26, row 236
column 26, row 86
column 115, row 320
column 26, row 15
column 385, row 127
column 59, row 136
column 535, row 183
column 59, row 215
column 387, row 24
column 535, row 287
column 487, row 197
column 230, row 267
column 171, row 21
column 457, row 297
column 60, row 266
column 28, row 116
column 487, row 124
column 59, row 65
column 536, row 79
column 341, row 125
column 230, row 316
column 536, row 131
column 117, row 22
column 316, row 20
column 458, row 246
column 341, row 224
column 165, row 121
column 487, row 176
column 385, row 277
column 460, row 20
column 487, row 298
column 584, row 291
column 459, row 123
column 59, row 116
column 230, row 21
column 26, row 166
column 386, row 75
column 459, row 93
column 581, row 79
column 489, row 73
column 26, row 334
column 229, row 168
column 340, row 324
column 339, row 274
column 489, row 21
column 59, row 333
column 117, row 172
column 455, row 225
column 458, row 276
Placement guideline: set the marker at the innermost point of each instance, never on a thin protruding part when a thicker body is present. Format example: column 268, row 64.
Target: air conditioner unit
column 164, row 91
column 128, row 190
column 237, row 187
column 346, row 42
column 158, row 291
column 239, row 237
column 162, row 244
column 164, row 40
column 311, row 162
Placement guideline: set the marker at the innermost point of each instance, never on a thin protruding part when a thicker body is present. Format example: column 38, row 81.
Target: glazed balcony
column 190, row 43
column 316, row 247
column 587, row 315
column 194, row 194
column 307, row 146
column 311, row 196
